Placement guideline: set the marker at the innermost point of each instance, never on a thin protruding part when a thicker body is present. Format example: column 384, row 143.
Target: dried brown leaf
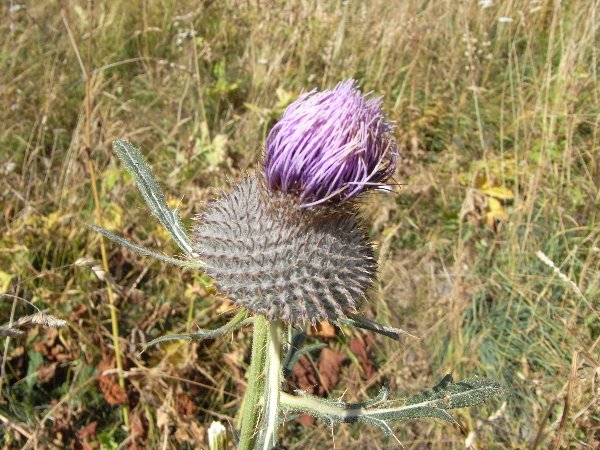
column 304, row 376
column 84, row 435
column 114, row 394
column 46, row 372
column 330, row 363
column 185, row 405
column 322, row 329
column 360, row 347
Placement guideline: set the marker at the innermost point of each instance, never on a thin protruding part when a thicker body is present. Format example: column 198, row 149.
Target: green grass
column 479, row 105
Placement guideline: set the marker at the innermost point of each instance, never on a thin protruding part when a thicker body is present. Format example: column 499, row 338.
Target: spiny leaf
column 379, row 411
column 238, row 321
column 356, row 321
column 169, row 218
column 144, row 251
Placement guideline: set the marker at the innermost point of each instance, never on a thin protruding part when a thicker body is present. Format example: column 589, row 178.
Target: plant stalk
column 260, row 408
column 268, row 434
column 252, row 403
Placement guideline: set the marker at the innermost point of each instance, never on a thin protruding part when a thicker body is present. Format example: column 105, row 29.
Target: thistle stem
column 268, row 434
column 260, row 408
column 252, row 403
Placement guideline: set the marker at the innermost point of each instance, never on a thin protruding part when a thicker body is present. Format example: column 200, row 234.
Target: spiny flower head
column 285, row 262
column 330, row 146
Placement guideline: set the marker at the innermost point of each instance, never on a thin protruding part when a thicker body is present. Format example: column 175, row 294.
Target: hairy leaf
column 169, row 218
column 238, row 321
column 356, row 321
column 144, row 251
column 380, row 411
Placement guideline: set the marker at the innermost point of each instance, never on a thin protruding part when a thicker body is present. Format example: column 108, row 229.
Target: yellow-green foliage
column 497, row 114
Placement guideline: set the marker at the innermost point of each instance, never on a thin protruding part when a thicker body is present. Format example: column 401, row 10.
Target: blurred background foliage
column 496, row 105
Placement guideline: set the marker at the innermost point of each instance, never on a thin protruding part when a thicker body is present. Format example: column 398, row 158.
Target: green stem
column 252, row 404
column 268, row 434
column 260, row 408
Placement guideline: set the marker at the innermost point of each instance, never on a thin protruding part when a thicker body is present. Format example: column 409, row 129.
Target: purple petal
column 330, row 145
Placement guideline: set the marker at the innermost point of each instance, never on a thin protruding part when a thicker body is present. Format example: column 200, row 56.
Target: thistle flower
column 286, row 246
column 289, row 245
column 330, row 145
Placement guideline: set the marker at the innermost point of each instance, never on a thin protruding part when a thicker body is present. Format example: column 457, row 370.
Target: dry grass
column 498, row 123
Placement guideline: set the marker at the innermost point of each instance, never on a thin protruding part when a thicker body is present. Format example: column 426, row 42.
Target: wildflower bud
column 217, row 436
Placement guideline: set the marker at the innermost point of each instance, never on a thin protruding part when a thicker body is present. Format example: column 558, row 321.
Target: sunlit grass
column 482, row 107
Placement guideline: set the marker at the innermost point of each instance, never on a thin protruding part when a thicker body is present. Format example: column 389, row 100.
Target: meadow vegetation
column 497, row 108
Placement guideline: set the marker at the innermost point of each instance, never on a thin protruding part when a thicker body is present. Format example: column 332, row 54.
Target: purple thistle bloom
column 330, row 145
